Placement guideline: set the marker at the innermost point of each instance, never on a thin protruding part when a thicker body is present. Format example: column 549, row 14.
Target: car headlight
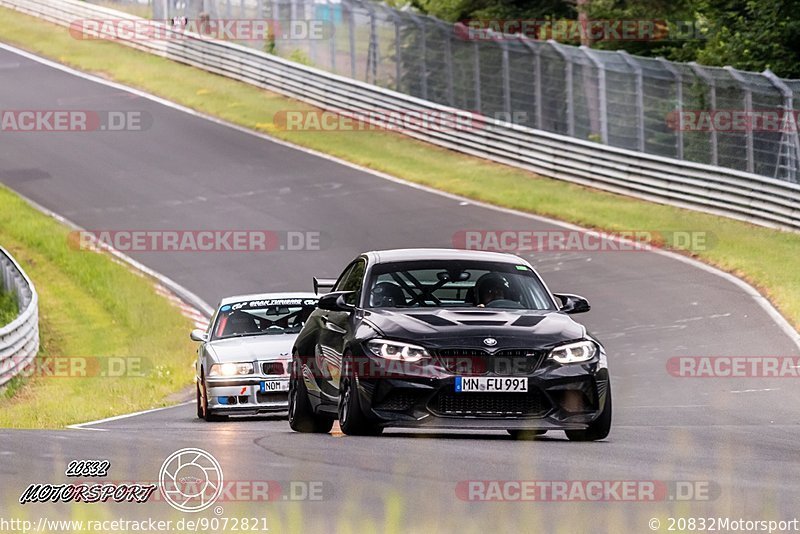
column 396, row 350
column 580, row 351
column 231, row 369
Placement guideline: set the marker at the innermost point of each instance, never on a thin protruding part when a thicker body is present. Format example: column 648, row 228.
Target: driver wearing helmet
column 491, row 287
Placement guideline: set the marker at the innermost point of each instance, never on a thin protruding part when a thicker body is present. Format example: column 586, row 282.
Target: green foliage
column 747, row 34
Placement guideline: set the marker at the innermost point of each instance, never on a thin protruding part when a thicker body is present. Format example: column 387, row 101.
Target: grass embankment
column 8, row 307
column 764, row 257
column 96, row 318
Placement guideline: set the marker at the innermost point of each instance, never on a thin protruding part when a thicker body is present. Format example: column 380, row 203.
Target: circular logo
column 490, row 342
column 191, row 480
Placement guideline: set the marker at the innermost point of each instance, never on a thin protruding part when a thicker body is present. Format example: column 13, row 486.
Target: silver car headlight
column 577, row 352
column 396, row 350
column 231, row 369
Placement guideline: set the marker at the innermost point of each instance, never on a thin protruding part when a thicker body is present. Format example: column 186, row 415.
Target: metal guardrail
column 19, row 340
column 721, row 191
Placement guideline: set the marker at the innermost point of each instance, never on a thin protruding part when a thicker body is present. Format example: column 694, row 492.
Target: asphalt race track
column 187, row 173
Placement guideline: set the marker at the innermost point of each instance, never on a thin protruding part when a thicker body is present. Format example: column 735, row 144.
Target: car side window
column 352, row 281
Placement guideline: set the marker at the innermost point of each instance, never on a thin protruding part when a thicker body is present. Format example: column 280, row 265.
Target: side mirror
column 335, row 302
column 323, row 284
column 198, row 335
column 571, row 304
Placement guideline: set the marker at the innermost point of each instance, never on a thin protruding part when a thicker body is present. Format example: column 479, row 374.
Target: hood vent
column 434, row 320
column 528, row 320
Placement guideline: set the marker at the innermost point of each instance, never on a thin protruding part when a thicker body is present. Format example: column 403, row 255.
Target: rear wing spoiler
column 323, row 284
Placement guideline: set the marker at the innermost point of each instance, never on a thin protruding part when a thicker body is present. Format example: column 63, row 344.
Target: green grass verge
column 8, row 307
column 764, row 257
column 91, row 309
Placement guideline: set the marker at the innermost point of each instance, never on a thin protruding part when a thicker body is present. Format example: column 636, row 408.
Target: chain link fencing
column 648, row 105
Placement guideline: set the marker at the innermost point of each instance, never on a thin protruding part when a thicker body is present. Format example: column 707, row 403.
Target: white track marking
column 81, row 426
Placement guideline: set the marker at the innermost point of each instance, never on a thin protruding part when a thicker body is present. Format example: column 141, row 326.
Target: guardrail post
column 709, row 81
column 639, row 97
column 748, row 107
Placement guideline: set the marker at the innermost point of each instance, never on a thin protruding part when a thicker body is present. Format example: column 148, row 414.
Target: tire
column 598, row 429
column 199, row 401
column 301, row 414
column 351, row 419
column 202, row 405
column 524, row 435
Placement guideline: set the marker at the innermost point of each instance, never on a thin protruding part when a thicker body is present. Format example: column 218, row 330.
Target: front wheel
column 301, row 414
column 199, row 401
column 203, row 411
column 598, row 429
column 351, row 418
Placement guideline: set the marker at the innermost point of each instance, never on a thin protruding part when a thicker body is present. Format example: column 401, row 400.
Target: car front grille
column 507, row 362
column 531, row 404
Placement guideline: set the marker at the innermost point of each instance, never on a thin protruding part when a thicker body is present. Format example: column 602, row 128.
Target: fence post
column 602, row 95
column 332, row 16
column 639, row 96
column 506, row 79
column 477, row 69
column 352, row 36
column 448, row 61
column 568, row 80
column 537, row 73
column 709, row 81
column 398, row 57
column 678, row 76
column 788, row 129
column 748, row 107
column 424, row 56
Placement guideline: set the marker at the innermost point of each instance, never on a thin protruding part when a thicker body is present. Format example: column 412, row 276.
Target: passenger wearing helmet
column 387, row 295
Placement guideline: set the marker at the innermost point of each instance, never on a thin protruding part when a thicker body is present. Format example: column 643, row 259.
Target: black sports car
column 442, row 338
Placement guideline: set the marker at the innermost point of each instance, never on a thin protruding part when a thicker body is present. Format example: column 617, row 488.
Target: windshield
column 463, row 284
column 262, row 317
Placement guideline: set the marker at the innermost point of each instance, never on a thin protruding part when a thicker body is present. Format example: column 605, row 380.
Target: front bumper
column 242, row 396
column 559, row 397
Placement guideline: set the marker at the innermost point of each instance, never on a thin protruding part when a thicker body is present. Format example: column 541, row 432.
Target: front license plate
column 269, row 386
column 491, row 384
